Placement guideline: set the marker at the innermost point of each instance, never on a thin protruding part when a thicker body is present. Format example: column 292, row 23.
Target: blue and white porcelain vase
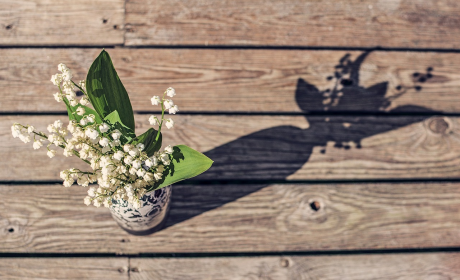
column 150, row 217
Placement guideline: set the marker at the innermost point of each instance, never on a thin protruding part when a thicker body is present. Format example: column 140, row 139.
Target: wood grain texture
column 239, row 218
column 64, row 268
column 277, row 147
column 369, row 23
column 45, row 23
column 244, row 80
column 359, row 267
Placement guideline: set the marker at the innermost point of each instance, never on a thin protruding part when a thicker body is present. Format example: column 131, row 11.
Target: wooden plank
column 277, row 147
column 64, row 268
column 356, row 23
column 245, row 80
column 354, row 267
column 63, row 23
column 240, row 218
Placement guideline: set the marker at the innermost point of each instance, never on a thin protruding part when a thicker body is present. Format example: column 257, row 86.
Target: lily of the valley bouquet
column 125, row 166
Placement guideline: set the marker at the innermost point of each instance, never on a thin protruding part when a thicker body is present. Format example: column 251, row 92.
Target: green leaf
column 114, row 119
column 106, row 92
column 72, row 112
column 148, row 139
column 186, row 163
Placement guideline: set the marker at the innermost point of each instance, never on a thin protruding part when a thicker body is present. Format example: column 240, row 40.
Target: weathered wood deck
column 308, row 182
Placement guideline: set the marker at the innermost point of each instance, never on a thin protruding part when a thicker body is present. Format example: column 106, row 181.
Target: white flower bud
column 87, row 201
column 127, row 148
column 57, row 124
column 137, row 164
column 128, row 160
column 151, row 162
column 84, row 101
column 16, row 130
column 57, row 97
column 155, row 100
column 67, row 76
column 153, row 120
column 165, row 159
column 37, row 145
column 97, row 203
column 73, row 102
column 174, row 109
column 170, row 92
column 51, row 153
column 104, row 142
column 141, row 172
column 91, row 118
column 132, row 171
column 140, row 146
column 148, row 177
column 133, row 152
column 71, row 126
column 168, row 104
column 116, row 134
column 115, row 143
column 104, row 128
column 169, row 123
column 107, row 202
column 118, row 155
column 70, row 94
column 157, row 175
column 91, row 133
column 52, row 138
column 80, row 111
column 62, row 67
column 169, row 150
column 56, row 79
column 68, row 183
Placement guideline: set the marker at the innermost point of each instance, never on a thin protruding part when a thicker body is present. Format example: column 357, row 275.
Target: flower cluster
column 67, row 86
column 166, row 104
column 122, row 169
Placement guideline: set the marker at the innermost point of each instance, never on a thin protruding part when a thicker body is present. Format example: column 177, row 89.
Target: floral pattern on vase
column 148, row 218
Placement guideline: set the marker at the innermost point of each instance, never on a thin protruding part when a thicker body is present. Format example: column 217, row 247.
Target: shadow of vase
column 273, row 154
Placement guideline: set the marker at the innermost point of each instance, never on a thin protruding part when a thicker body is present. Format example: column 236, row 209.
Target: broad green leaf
column 72, row 112
column 186, row 163
column 148, row 139
column 106, row 92
column 114, row 119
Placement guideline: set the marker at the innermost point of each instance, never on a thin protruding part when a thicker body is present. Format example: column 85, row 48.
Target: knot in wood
column 439, row 125
column 315, row 206
column 284, row 262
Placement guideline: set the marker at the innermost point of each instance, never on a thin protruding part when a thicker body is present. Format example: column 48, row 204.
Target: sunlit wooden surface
column 333, row 160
